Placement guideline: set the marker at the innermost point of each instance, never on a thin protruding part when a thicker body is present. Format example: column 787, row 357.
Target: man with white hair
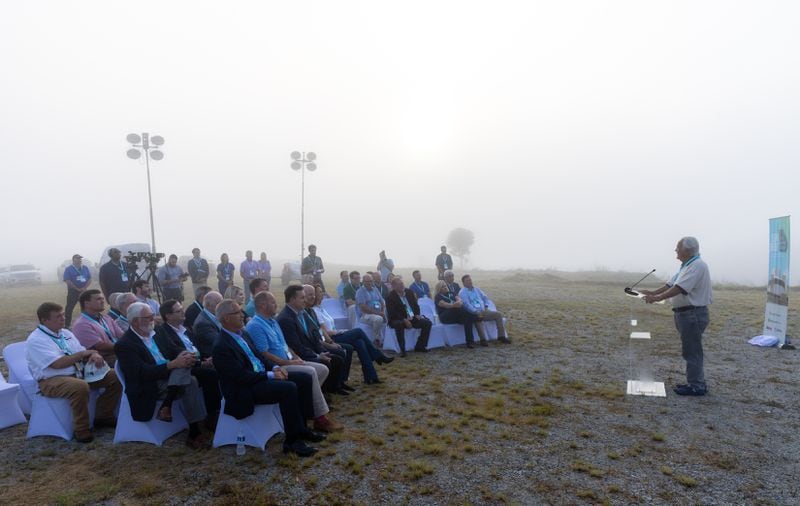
column 149, row 376
column 690, row 294
column 206, row 327
column 372, row 308
column 124, row 301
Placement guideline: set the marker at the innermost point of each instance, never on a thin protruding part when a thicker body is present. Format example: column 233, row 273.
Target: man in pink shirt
column 94, row 330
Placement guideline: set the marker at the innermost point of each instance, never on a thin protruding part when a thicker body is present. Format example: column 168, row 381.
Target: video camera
column 151, row 259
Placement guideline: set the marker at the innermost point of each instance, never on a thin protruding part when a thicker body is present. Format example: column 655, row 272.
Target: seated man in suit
column 298, row 336
column 246, row 380
column 343, row 350
column 206, row 327
column 195, row 308
column 477, row 303
column 267, row 337
column 56, row 360
column 172, row 338
column 149, row 376
column 95, row 330
column 403, row 311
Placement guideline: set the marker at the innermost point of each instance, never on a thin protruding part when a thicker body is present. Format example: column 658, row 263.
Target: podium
column 640, row 367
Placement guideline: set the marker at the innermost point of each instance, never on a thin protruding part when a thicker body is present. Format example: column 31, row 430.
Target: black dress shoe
column 372, row 381
column 421, row 350
column 504, row 340
column 470, row 345
column 403, row 353
column 310, row 435
column 384, row 360
column 299, row 448
column 347, row 387
column 342, row 391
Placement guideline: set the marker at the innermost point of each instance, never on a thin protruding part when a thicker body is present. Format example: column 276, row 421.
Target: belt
column 686, row 308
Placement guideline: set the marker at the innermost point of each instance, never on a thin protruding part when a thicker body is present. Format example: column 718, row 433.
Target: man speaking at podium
column 690, row 291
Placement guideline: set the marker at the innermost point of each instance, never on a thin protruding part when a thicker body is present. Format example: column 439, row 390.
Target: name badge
column 252, row 274
column 124, row 277
column 80, row 279
column 376, row 304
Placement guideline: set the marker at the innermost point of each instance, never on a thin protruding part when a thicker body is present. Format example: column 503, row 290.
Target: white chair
column 154, row 431
column 50, row 416
column 337, row 309
column 15, row 354
column 435, row 340
column 428, row 309
column 257, row 428
column 10, row 411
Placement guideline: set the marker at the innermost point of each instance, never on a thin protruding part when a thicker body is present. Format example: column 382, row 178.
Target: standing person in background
column 385, row 267
column 171, row 278
column 248, row 270
column 114, row 274
column 264, row 270
column 444, row 262
column 78, row 278
column 225, row 273
column 198, row 270
column 690, row 291
column 312, row 265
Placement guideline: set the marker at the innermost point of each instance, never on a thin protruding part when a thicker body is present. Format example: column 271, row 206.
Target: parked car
column 21, row 274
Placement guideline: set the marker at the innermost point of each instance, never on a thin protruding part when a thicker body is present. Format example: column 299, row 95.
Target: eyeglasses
column 147, row 318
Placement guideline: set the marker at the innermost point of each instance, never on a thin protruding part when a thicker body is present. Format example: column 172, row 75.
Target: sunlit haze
column 569, row 135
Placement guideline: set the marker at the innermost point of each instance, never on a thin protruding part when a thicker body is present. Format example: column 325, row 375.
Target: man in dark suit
column 403, row 312
column 172, row 338
column 195, row 308
column 206, row 327
column 297, row 334
column 246, row 380
column 343, row 351
column 149, row 376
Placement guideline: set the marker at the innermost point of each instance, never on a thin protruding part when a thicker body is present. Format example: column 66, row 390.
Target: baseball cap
column 76, row 256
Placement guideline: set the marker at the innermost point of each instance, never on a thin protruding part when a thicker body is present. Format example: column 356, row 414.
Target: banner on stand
column 776, row 314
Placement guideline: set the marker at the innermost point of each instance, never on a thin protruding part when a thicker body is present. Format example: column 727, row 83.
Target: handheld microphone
column 629, row 289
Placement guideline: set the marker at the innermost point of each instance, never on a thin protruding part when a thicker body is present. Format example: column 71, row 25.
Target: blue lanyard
column 102, row 324
column 303, row 323
column 59, row 339
column 212, row 318
column 408, row 307
column 257, row 365
column 271, row 327
column 151, row 345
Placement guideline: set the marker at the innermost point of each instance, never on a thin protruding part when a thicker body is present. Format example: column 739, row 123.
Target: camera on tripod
column 133, row 258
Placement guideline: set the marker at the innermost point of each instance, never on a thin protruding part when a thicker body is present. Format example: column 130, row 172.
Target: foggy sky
column 571, row 135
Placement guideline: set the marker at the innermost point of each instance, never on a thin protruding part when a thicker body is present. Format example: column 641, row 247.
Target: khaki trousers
column 319, row 373
column 498, row 319
column 76, row 391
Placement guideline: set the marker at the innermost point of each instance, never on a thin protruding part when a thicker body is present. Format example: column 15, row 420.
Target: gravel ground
column 542, row 421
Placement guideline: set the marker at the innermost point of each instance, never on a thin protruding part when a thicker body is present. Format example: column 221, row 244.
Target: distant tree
column 460, row 240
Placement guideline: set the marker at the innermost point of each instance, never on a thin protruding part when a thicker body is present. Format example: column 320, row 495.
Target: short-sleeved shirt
column 114, row 277
column 447, row 297
column 265, row 269
column 371, row 298
column 170, row 277
column 268, row 336
column 226, row 271
column 78, row 277
column 694, row 278
column 444, row 261
column 90, row 332
column 325, row 319
column 198, row 270
column 42, row 351
column 386, row 267
column 311, row 265
column 248, row 269
column 349, row 291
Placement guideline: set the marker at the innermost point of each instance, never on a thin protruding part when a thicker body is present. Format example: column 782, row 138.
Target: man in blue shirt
column 78, row 278
column 419, row 287
column 477, row 303
column 371, row 309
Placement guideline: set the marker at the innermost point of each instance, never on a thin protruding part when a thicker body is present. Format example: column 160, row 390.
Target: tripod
column 148, row 274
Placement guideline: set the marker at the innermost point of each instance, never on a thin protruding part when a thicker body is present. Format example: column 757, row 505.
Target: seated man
column 196, row 307
column 171, row 277
column 206, row 327
column 344, row 351
column 297, row 334
column 56, row 360
column 268, row 340
column 141, row 289
column 450, row 309
column 149, row 376
column 419, row 287
column 477, row 303
column 450, row 281
column 371, row 306
column 245, row 381
column 350, row 289
column 94, row 330
column 403, row 311
column 124, row 301
column 367, row 353
column 256, row 285
column 344, row 278
column 172, row 338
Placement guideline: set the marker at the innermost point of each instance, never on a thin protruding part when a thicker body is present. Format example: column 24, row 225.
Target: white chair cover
column 10, row 411
column 257, row 428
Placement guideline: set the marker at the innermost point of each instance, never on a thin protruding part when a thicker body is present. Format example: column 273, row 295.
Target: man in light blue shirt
column 477, row 303
column 371, row 309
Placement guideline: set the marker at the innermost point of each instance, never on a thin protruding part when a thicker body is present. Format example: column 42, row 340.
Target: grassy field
column 544, row 420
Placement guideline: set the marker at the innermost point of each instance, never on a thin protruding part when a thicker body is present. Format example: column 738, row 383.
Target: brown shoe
column 325, row 424
column 165, row 414
column 84, row 437
column 484, row 343
column 199, row 442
